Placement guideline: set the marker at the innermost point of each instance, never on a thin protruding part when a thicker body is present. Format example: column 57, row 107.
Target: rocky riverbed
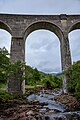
column 44, row 105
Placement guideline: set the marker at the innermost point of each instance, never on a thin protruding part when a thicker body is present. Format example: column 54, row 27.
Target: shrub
column 52, row 82
column 73, row 79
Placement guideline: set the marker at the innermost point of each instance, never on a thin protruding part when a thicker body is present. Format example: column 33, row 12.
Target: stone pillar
column 17, row 54
column 65, row 50
column 65, row 58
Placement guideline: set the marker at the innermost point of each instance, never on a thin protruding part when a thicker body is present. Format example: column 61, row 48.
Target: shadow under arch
column 5, row 27
column 43, row 25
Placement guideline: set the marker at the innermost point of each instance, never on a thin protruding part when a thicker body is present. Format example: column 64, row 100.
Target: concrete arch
column 43, row 25
column 5, row 27
column 74, row 27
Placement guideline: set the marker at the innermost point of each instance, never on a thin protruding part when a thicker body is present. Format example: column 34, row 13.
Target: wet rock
column 30, row 118
column 47, row 118
column 70, row 101
column 30, row 112
column 61, row 117
column 38, row 117
column 8, row 113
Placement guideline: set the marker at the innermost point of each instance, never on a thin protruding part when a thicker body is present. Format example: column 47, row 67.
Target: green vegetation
column 2, row 85
column 34, row 77
column 52, row 82
column 5, row 96
column 8, row 69
column 4, row 63
column 73, row 76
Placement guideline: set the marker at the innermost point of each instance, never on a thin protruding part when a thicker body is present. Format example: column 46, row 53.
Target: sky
column 42, row 46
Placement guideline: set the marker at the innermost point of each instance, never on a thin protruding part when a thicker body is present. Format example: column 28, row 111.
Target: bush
column 77, row 90
column 52, row 82
column 47, row 83
column 57, row 81
column 73, row 79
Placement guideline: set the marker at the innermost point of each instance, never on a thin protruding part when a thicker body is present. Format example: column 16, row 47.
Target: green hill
column 32, row 75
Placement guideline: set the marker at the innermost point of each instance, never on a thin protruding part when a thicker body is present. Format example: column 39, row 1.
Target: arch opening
column 5, row 36
column 5, row 43
column 5, row 39
column 42, row 51
column 47, row 26
column 74, row 41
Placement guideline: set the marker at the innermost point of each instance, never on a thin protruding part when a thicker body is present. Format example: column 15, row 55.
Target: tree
column 4, row 63
column 73, row 79
column 36, row 75
column 52, row 82
column 28, row 75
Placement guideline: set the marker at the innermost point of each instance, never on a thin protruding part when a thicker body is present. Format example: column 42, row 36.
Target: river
column 51, row 109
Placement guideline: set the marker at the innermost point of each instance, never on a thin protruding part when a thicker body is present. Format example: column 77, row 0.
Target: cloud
column 41, row 51
column 5, row 39
column 74, row 40
column 48, row 67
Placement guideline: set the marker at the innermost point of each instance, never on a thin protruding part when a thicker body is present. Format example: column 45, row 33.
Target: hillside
column 33, row 75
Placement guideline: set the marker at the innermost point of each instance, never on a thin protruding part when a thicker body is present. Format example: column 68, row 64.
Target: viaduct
column 20, row 26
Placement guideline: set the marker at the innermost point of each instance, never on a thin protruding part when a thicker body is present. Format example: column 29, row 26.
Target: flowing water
column 51, row 109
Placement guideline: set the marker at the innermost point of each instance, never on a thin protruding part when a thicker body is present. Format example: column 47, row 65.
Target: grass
column 4, row 95
column 34, row 87
column 3, row 85
column 29, row 87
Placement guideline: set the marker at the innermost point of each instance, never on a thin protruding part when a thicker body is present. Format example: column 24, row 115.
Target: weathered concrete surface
column 20, row 26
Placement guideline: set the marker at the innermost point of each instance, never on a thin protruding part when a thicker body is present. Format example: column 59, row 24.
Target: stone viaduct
column 20, row 26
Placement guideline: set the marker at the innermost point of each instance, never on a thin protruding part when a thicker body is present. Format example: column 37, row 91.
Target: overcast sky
column 42, row 46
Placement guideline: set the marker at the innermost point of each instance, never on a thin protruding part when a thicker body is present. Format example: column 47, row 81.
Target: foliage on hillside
column 73, row 76
column 33, row 76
